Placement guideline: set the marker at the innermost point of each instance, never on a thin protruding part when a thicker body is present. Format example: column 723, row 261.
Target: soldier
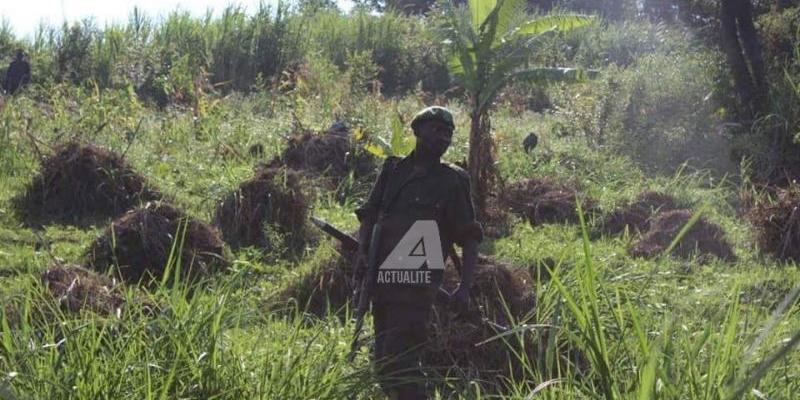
column 422, row 207
column 18, row 73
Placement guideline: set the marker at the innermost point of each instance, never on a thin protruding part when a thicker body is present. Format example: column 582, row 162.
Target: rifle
column 363, row 294
column 348, row 242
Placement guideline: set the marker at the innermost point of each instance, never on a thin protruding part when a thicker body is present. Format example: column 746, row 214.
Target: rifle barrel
column 345, row 239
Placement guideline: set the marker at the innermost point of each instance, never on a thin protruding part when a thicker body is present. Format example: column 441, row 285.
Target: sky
column 25, row 15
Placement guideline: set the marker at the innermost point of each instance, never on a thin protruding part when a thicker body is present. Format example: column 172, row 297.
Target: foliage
column 169, row 60
column 649, row 329
column 72, row 52
column 778, row 32
column 405, row 53
column 400, row 143
column 490, row 42
column 660, row 111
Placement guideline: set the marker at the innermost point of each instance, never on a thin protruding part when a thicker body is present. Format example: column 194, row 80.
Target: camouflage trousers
column 400, row 333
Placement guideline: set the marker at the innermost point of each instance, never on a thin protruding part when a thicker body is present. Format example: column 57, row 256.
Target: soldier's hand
column 460, row 300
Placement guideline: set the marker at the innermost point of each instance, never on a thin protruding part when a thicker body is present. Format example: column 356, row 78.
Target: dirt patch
column 140, row 243
column 330, row 154
column 543, row 201
column 777, row 223
column 273, row 200
column 76, row 289
column 80, row 182
column 704, row 239
column 636, row 216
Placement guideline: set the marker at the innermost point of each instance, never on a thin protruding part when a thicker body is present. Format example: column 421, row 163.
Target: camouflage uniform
column 402, row 303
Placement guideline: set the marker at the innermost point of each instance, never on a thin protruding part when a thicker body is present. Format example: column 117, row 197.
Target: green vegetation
column 184, row 99
column 491, row 47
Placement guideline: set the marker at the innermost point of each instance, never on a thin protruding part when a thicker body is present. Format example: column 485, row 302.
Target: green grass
column 648, row 329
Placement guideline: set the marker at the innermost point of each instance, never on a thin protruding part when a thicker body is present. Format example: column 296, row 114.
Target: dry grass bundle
column 274, row 197
column 463, row 345
column 326, row 287
column 498, row 289
column 82, row 182
column 543, row 201
column 329, row 155
column 704, row 238
column 76, row 289
column 140, row 243
column 778, row 224
column 636, row 216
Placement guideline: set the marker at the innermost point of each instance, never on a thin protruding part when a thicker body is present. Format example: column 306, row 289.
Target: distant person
column 18, row 73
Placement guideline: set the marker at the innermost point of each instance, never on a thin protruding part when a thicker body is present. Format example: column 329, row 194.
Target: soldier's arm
column 467, row 232
column 469, row 261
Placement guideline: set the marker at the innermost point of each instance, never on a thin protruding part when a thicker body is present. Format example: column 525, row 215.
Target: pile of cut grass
column 79, row 182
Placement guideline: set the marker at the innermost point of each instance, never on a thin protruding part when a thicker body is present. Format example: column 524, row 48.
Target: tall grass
column 198, row 346
column 168, row 60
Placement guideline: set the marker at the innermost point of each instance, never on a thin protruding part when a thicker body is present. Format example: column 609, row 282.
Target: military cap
column 433, row 113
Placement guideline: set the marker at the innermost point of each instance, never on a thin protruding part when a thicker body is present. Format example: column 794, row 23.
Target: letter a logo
column 420, row 246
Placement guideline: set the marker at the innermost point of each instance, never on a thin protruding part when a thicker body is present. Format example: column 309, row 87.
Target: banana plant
column 400, row 144
column 490, row 42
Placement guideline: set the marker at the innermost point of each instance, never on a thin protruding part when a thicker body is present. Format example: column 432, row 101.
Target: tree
column 742, row 50
column 490, row 41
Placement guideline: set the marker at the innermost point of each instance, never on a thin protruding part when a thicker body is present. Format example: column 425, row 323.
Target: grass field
column 661, row 328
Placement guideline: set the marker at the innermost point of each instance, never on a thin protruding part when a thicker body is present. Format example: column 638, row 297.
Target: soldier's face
column 435, row 137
